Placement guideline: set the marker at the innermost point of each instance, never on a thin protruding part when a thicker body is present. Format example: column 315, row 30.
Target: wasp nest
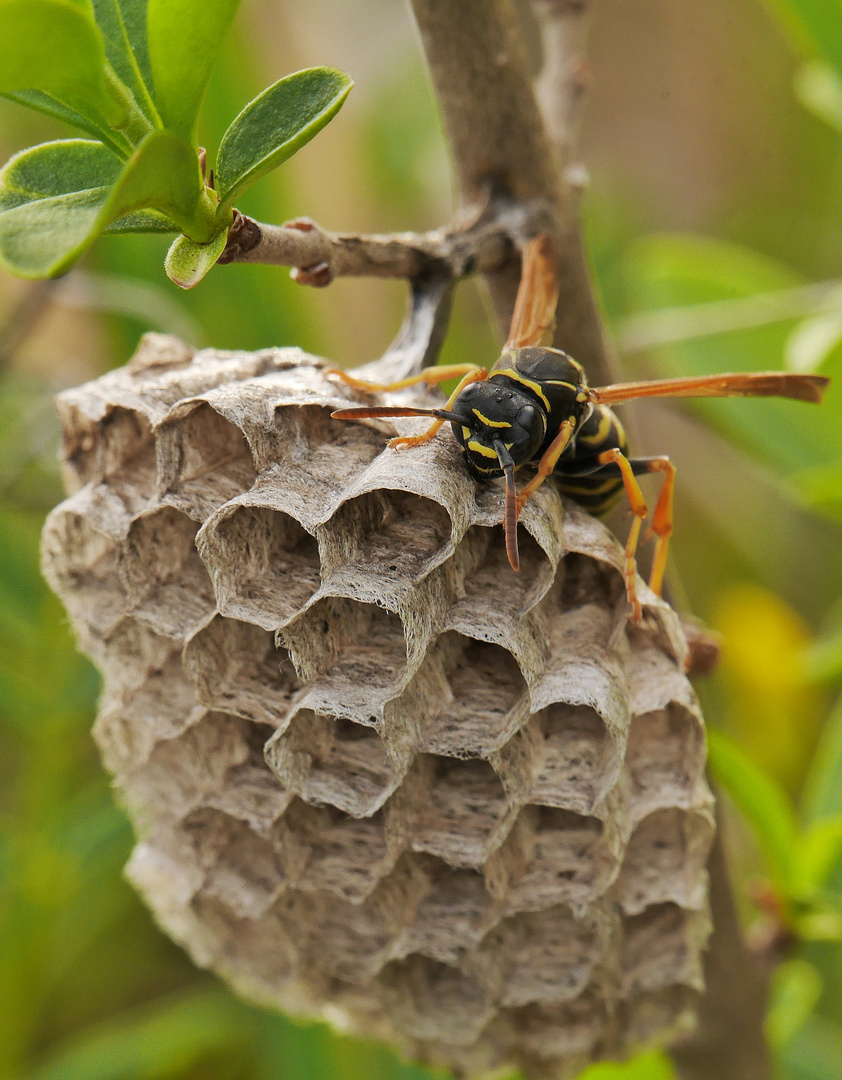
column 376, row 775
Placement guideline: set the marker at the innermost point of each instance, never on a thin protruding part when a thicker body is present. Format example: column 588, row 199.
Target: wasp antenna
column 510, row 524
column 376, row 411
column 510, row 516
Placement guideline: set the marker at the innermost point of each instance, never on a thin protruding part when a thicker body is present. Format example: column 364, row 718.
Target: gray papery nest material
column 376, row 775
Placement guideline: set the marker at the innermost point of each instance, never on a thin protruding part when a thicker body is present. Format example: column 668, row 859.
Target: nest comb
column 377, row 776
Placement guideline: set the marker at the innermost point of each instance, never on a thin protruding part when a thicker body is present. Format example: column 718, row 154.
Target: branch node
column 319, row 275
column 577, row 177
column 303, row 224
column 244, row 234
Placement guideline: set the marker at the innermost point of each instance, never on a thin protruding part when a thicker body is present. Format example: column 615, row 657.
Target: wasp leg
column 472, row 374
column 661, row 520
column 640, row 510
column 431, row 376
column 547, row 463
column 596, row 468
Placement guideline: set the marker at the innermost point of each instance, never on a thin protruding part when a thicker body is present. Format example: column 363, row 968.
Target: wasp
column 535, row 406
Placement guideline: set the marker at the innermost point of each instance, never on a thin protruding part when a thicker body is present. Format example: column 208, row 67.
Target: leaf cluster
column 800, row 854
column 131, row 74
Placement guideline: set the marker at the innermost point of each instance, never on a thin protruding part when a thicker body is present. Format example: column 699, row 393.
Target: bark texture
column 500, row 148
column 377, row 776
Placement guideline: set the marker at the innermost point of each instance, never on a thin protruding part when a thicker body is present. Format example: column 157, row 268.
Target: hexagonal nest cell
column 486, row 704
column 374, row 772
column 333, row 761
column 206, row 461
column 265, row 564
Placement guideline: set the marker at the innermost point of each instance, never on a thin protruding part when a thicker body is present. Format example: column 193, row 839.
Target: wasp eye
column 526, row 417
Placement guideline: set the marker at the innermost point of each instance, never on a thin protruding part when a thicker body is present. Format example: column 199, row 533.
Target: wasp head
column 498, row 426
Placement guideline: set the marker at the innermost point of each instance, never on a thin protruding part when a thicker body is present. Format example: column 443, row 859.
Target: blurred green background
column 713, row 137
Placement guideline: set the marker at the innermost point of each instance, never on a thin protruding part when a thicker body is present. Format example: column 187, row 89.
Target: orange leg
column 548, row 462
column 431, row 376
column 472, row 374
column 640, row 510
column 662, row 521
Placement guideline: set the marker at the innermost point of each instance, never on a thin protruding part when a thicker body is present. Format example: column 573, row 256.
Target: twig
column 481, row 75
column 483, row 239
column 487, row 243
column 560, row 88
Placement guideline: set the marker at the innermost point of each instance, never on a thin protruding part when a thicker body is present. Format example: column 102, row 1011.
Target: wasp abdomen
column 596, row 487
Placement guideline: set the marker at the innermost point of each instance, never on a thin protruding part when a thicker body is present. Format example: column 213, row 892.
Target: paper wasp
column 535, row 405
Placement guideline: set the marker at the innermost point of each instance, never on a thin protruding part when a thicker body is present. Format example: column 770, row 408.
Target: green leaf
column 762, row 801
column 55, row 199
column 823, row 787
column 813, row 25
column 670, row 272
column 818, row 852
column 185, row 37
column 163, row 174
column 795, row 991
column 275, row 125
column 187, row 263
column 175, row 1037
column 77, row 115
column 142, row 221
column 819, row 88
column 113, row 24
column 57, row 168
column 50, row 200
column 133, row 13
column 53, row 46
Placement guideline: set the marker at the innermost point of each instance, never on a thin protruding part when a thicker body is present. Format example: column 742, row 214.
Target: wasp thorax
column 377, row 776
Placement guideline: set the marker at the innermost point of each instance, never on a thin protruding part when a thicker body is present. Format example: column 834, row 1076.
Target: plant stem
column 481, row 76
column 486, row 244
column 561, row 86
column 729, row 1041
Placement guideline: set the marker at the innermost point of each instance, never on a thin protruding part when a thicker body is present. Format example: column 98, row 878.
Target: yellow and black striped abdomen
column 580, row 476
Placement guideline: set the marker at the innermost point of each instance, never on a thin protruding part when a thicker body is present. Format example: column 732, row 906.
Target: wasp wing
column 748, row 384
column 537, row 294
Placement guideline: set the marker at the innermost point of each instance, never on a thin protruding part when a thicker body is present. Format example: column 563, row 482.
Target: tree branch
column 729, row 1041
column 487, row 242
column 505, row 164
column 480, row 72
column 560, row 88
